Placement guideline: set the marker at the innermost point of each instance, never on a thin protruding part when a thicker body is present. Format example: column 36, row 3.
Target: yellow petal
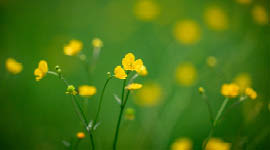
column 13, row 66
column 87, row 91
column 134, row 86
column 119, row 72
column 137, row 65
column 128, row 61
column 43, row 66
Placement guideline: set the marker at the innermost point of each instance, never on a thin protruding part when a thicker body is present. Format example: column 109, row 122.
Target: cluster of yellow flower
column 213, row 144
column 130, row 64
column 232, row 90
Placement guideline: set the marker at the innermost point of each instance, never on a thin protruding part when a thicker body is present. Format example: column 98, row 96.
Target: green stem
column 220, row 111
column 83, row 118
column 123, row 104
column 100, row 100
column 211, row 115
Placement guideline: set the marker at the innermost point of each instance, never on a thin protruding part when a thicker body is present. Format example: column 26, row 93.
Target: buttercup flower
column 142, row 71
column 149, row 95
column 186, row 74
column 41, row 71
column 146, row 10
column 130, row 114
column 80, row 135
column 71, row 90
column 129, row 63
column 187, row 32
column 182, row 144
column 119, row 73
column 251, row 93
column 97, row 43
column 243, row 80
column 217, row 144
column 87, row 91
column 259, row 14
column 216, row 18
column 134, row 86
column 13, row 66
column 230, row 90
column 73, row 47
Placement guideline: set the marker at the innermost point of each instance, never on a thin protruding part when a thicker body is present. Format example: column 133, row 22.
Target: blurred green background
column 38, row 115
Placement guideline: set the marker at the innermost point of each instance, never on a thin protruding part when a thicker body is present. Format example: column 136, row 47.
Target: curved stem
column 211, row 115
column 220, row 111
column 119, row 121
column 83, row 118
column 100, row 100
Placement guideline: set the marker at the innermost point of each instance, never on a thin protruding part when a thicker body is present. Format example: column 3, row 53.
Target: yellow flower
column 216, row 18
column 211, row 61
column 130, row 114
column 120, row 73
column 71, row 90
column 13, row 66
column 146, row 10
column 182, row 144
column 187, row 32
column 186, row 74
column 143, row 71
column 230, row 90
column 73, row 47
column 259, row 14
column 134, row 86
column 201, row 90
column 243, row 1
column 243, row 80
column 97, row 43
column 129, row 63
column 217, row 144
column 80, row 135
column 251, row 93
column 87, row 91
column 42, row 70
column 149, row 95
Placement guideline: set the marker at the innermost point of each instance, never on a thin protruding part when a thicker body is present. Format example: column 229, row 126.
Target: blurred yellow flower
column 230, row 90
column 130, row 114
column 71, row 90
column 73, row 47
column 143, row 71
column 13, row 66
column 149, row 95
column 217, row 144
column 243, row 80
column 259, row 14
column 41, row 71
column 97, row 43
column 201, row 90
column 216, row 18
column 251, row 93
column 119, row 72
column 182, row 144
column 134, row 86
column 186, row 74
column 129, row 63
column 87, row 91
column 146, row 10
column 187, row 32
column 243, row 1
column 80, row 135
column 211, row 61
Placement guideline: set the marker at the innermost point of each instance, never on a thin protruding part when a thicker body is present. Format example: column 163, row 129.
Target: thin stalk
column 101, row 99
column 83, row 118
column 123, row 104
column 78, row 108
column 211, row 114
column 220, row 111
